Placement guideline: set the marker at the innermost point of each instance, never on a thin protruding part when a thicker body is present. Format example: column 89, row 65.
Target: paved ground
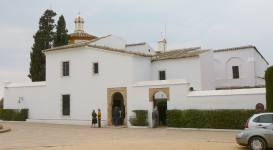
column 54, row 137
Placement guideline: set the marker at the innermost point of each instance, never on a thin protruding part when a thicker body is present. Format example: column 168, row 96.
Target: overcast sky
column 212, row 24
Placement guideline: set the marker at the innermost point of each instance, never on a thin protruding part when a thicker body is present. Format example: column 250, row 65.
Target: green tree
column 61, row 37
column 2, row 103
column 269, row 89
column 43, row 39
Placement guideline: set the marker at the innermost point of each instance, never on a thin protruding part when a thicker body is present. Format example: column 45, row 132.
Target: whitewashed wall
column 111, row 41
column 260, row 68
column 141, row 68
column 87, row 91
column 223, row 62
column 141, row 49
column 207, row 71
column 182, row 98
column 185, row 68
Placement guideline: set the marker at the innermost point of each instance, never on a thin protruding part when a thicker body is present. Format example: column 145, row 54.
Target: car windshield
column 269, row 127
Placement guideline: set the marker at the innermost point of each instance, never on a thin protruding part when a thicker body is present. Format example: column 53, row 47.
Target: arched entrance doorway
column 111, row 96
column 118, row 102
column 160, row 103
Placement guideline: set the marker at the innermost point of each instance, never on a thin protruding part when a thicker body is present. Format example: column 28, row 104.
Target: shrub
column 139, row 118
column 269, row 89
column 14, row 114
column 216, row 119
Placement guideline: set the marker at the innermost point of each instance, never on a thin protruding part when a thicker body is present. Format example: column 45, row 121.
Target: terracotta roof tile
column 240, row 87
column 79, row 44
column 120, row 51
column 76, row 34
column 135, row 44
column 176, row 54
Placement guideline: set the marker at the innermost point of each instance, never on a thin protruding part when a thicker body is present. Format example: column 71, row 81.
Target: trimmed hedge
column 139, row 118
column 14, row 114
column 215, row 119
column 269, row 88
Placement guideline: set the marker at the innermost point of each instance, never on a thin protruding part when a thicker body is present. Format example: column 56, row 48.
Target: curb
column 5, row 129
column 138, row 127
column 204, row 129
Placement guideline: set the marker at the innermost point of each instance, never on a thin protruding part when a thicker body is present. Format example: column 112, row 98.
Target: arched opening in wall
column 79, row 26
column 118, row 102
column 160, row 103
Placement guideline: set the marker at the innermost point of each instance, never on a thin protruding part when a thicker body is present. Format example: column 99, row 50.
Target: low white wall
column 70, row 122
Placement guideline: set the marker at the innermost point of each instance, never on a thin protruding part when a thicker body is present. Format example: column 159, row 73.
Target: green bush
column 14, row 114
column 139, row 118
column 216, row 119
column 269, row 89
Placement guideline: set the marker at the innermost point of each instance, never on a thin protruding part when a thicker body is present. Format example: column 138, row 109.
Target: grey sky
column 209, row 24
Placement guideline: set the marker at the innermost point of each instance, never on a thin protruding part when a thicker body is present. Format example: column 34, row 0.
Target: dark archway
column 161, row 108
column 118, row 101
column 160, row 103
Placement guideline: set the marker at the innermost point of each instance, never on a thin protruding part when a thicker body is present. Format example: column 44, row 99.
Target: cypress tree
column 61, row 37
column 43, row 39
column 269, row 89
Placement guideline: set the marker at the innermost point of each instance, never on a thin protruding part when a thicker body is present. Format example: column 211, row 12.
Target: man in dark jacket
column 116, row 115
column 155, row 116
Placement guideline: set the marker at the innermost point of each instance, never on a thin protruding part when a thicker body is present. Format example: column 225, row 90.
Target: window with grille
column 162, row 75
column 66, row 105
column 95, row 68
column 235, row 70
column 65, row 68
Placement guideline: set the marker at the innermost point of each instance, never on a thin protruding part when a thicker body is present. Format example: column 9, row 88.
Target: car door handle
column 260, row 125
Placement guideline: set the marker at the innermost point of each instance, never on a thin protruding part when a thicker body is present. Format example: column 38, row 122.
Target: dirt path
column 55, row 137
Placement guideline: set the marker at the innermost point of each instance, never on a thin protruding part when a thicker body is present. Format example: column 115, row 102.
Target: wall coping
column 26, row 84
column 160, row 82
column 227, row 92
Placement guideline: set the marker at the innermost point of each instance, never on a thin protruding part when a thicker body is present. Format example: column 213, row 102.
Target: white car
column 259, row 121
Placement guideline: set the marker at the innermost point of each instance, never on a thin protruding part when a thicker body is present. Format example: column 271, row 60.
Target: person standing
column 116, row 116
column 99, row 118
column 94, row 119
column 119, row 116
column 155, row 116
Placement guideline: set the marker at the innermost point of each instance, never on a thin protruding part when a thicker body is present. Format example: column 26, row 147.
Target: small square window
column 95, row 68
column 65, row 68
column 162, row 75
column 235, row 70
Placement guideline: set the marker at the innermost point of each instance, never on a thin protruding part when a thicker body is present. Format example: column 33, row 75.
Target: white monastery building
column 94, row 73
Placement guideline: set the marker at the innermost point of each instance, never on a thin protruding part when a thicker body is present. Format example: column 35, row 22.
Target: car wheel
column 257, row 143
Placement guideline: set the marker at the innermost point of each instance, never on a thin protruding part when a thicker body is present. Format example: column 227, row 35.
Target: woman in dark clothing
column 94, row 119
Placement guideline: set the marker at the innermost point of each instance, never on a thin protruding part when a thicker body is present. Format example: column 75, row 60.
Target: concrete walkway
column 49, row 136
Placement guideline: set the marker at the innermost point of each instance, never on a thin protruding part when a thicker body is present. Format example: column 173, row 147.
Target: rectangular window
column 95, row 68
column 66, row 105
column 65, row 68
column 235, row 70
column 162, row 75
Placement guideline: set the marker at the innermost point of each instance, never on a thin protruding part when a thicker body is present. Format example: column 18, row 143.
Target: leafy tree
column 269, row 89
column 43, row 39
column 61, row 37
column 2, row 103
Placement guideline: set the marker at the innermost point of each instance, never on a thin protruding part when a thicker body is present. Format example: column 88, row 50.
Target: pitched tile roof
column 180, row 53
column 121, row 51
column 135, row 44
column 241, row 47
column 79, row 44
column 239, row 87
column 76, row 34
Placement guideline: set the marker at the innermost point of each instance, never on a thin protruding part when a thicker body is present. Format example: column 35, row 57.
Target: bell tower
column 79, row 21
column 79, row 35
column 162, row 45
